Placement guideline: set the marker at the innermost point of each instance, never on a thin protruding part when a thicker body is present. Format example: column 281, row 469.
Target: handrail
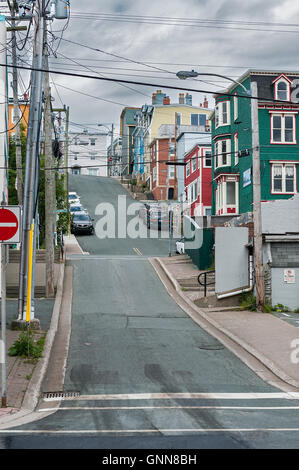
column 205, row 284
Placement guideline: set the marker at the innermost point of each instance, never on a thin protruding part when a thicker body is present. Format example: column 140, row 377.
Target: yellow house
column 181, row 114
column 24, row 115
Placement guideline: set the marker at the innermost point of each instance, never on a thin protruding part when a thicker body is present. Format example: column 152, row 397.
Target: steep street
column 147, row 375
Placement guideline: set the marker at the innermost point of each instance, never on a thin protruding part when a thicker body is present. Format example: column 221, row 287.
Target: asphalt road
column 147, row 375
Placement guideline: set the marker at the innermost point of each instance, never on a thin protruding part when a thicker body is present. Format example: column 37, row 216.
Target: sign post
column 10, row 222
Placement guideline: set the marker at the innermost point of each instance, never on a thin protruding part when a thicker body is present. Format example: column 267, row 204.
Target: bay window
column 222, row 114
column 222, row 153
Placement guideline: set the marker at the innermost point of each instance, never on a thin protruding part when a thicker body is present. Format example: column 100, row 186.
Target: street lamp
column 183, row 74
column 256, row 180
column 111, row 132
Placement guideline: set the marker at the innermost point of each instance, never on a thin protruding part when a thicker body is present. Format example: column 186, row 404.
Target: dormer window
column 282, row 91
column 282, row 87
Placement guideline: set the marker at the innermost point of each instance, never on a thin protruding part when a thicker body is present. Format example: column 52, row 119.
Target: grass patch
column 26, row 346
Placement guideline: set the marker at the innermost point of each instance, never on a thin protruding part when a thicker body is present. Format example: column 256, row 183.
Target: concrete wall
column 231, row 258
column 282, row 292
column 281, row 216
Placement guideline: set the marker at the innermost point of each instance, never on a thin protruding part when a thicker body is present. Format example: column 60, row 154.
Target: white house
column 87, row 153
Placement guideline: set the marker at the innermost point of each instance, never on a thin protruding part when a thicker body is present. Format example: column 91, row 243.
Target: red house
column 198, row 180
column 163, row 176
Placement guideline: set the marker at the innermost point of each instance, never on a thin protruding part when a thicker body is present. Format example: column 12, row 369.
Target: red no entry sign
column 10, row 217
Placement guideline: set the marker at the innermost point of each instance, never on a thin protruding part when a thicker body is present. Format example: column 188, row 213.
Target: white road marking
column 118, row 408
column 137, row 251
column 139, row 431
column 285, row 314
column 167, row 396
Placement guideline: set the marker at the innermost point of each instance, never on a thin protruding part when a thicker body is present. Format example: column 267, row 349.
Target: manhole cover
column 48, row 396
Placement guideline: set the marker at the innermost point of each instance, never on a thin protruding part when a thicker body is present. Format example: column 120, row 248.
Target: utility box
column 61, row 9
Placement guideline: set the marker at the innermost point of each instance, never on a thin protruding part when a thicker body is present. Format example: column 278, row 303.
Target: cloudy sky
column 221, row 36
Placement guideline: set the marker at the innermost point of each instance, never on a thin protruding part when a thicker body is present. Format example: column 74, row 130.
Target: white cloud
column 218, row 48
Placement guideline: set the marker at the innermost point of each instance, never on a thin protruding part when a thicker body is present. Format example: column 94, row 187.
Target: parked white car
column 74, row 198
column 180, row 246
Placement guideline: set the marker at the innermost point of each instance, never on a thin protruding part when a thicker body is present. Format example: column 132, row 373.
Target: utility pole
column 49, row 182
column 257, row 216
column 16, row 108
column 31, row 160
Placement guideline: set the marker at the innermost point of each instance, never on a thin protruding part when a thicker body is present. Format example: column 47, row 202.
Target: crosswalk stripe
column 139, row 431
column 132, row 408
column 169, row 396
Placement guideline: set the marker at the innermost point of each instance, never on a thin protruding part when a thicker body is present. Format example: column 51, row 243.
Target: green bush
column 133, row 182
column 248, row 302
column 26, row 346
column 280, row 308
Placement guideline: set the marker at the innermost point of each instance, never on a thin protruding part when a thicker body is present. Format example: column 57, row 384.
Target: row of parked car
column 81, row 222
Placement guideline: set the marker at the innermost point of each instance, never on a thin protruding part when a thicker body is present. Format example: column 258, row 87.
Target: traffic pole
column 3, row 324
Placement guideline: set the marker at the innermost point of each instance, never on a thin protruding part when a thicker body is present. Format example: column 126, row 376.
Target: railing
column 205, row 283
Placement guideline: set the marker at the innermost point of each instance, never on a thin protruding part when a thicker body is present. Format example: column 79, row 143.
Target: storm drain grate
column 48, row 396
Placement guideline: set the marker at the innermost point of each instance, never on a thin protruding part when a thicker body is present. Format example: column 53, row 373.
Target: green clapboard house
column 278, row 106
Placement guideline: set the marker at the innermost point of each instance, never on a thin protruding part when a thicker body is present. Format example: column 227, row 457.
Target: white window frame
column 219, row 111
column 276, row 91
column 236, row 148
column 188, row 169
column 235, row 107
column 205, row 158
column 219, row 155
column 171, row 171
column 283, row 177
column 154, row 173
column 193, row 164
column 283, row 116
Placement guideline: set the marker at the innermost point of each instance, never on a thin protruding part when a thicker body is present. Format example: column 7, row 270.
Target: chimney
column 154, row 98
column 166, row 100
column 205, row 103
column 181, row 98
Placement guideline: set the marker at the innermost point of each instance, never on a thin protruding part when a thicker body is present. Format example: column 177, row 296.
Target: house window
column 282, row 89
column 193, row 160
column 198, row 119
column 235, row 107
column 171, row 148
column 192, row 192
column 236, row 148
column 171, row 171
column 208, row 159
column 222, row 114
column 178, row 119
column 283, row 128
column 222, row 151
column 92, row 141
column 188, row 169
column 154, row 173
column 92, row 156
column 283, row 178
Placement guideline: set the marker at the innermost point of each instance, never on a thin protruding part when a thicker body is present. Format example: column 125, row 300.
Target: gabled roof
column 282, row 75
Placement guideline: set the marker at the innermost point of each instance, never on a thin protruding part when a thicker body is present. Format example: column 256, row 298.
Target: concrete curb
column 280, row 374
column 32, row 394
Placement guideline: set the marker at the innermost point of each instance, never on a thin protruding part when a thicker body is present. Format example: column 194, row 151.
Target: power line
column 224, row 93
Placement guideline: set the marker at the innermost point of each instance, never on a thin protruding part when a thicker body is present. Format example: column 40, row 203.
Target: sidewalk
column 263, row 336
column 24, row 379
